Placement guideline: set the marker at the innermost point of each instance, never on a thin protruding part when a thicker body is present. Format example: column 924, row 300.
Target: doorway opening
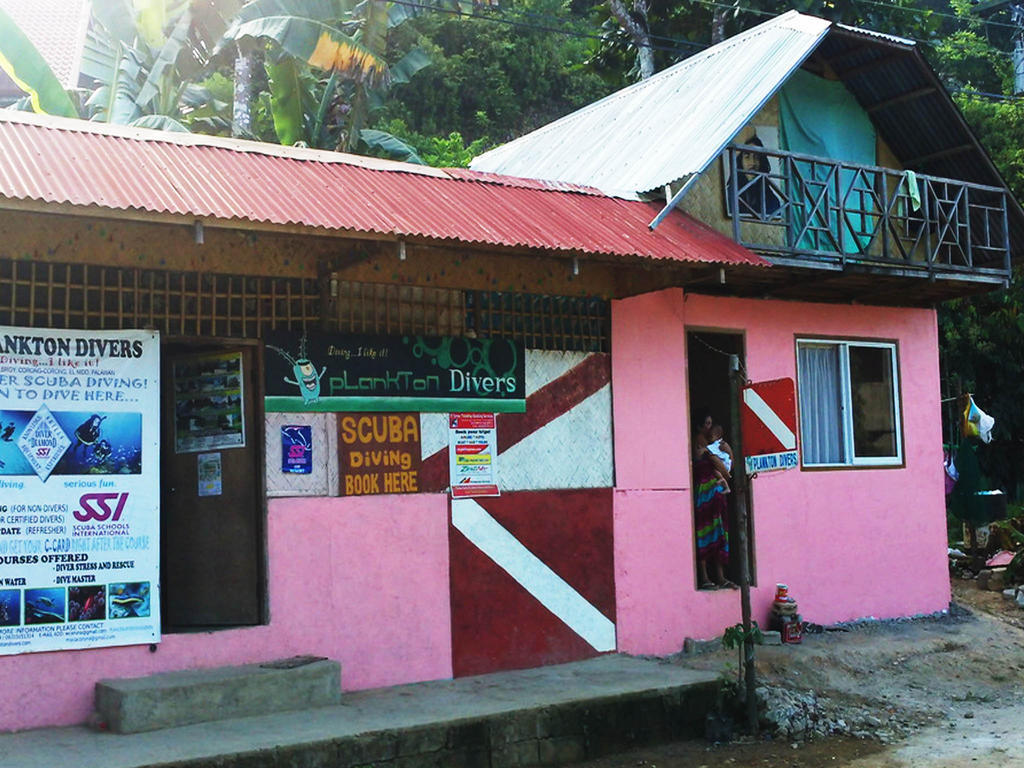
column 212, row 512
column 709, row 357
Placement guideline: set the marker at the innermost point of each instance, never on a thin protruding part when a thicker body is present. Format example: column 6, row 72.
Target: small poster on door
column 208, row 403
column 472, row 448
column 209, row 473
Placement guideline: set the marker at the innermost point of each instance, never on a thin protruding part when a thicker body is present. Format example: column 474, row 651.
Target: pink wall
column 367, row 582
column 352, row 579
column 850, row 543
column 648, row 381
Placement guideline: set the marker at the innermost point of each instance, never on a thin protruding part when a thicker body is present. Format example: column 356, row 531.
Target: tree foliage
column 492, row 78
column 982, row 353
column 680, row 29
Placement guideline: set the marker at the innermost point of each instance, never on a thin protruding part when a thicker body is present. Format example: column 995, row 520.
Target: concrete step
column 172, row 699
column 547, row 716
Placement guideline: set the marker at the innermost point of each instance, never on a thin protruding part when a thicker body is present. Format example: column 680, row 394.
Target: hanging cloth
column 913, row 190
column 975, row 422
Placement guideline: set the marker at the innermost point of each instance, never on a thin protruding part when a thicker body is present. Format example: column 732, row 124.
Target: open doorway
column 709, row 355
column 212, row 512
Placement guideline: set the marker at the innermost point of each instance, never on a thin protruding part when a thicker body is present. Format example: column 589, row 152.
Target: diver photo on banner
column 315, row 371
column 79, row 489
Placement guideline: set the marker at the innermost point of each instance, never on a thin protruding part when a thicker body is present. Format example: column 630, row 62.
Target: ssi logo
column 97, row 506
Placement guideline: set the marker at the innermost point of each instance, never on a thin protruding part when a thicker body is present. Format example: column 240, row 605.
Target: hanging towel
column 977, row 423
column 913, row 190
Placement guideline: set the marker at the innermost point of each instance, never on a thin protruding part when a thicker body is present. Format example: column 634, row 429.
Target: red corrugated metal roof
column 74, row 162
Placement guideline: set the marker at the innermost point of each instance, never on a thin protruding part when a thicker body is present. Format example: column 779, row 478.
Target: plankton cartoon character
column 306, row 377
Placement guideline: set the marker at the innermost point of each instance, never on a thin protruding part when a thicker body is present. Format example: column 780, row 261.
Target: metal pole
column 741, row 494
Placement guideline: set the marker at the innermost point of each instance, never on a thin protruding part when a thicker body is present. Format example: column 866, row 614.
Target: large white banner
column 79, row 489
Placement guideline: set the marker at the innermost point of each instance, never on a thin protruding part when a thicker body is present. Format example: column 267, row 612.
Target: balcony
column 810, row 212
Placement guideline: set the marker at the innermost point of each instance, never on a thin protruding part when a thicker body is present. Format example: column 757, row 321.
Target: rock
column 1010, row 594
column 1020, row 598
column 983, row 578
column 996, row 579
column 771, row 637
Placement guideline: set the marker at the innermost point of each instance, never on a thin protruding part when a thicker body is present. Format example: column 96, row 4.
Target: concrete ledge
column 540, row 736
column 546, row 716
column 171, row 699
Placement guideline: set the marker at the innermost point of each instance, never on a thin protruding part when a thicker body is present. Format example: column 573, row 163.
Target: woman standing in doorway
column 710, row 509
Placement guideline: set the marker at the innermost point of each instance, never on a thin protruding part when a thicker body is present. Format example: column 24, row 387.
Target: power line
column 567, row 32
column 986, row 94
column 772, row 14
column 676, row 42
column 940, row 14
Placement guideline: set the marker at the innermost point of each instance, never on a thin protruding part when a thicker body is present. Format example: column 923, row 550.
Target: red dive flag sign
column 768, row 421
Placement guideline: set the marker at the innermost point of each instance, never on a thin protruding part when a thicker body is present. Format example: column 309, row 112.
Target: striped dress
column 710, row 510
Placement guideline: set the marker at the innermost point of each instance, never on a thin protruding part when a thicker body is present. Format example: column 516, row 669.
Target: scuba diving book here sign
column 353, row 372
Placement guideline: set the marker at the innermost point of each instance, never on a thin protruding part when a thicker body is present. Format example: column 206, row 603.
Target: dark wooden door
column 211, row 546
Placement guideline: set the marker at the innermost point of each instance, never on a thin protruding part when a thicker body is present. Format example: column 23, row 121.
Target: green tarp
column 820, row 117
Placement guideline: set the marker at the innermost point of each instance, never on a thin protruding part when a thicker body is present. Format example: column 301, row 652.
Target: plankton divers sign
column 334, row 372
column 79, row 489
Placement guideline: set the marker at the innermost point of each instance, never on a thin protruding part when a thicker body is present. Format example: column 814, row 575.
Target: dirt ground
column 928, row 693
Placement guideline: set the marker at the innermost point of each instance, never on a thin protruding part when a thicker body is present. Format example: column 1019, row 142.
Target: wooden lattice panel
column 383, row 309
column 189, row 304
column 542, row 322
column 538, row 321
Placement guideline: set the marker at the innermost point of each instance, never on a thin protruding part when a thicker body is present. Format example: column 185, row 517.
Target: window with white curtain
column 849, row 403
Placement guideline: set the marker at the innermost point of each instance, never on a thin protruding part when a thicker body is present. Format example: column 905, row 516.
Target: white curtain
column 821, row 432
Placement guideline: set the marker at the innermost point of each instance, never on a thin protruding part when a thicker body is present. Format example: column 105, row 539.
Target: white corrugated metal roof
column 906, row 41
column 668, row 126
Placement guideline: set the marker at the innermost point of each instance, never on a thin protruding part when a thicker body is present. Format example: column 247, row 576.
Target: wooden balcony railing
column 809, row 211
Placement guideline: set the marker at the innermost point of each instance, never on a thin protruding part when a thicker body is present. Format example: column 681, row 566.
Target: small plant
column 736, row 637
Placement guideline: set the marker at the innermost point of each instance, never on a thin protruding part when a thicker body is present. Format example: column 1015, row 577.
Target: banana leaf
column 30, row 72
column 318, row 44
column 317, row 10
column 384, row 144
column 159, row 123
column 165, row 60
column 286, row 100
column 117, row 18
column 415, row 60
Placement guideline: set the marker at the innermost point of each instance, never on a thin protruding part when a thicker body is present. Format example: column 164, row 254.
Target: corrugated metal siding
column 60, row 161
column 670, row 125
column 895, row 39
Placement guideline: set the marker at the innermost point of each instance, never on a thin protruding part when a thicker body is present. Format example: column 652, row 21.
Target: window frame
column 853, row 461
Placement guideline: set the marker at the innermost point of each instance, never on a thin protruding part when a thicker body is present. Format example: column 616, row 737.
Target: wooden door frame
column 210, row 344
column 734, row 420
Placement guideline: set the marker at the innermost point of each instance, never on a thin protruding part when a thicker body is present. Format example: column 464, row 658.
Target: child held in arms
column 718, row 447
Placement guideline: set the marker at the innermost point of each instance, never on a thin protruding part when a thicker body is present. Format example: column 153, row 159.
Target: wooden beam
column 799, row 285
column 902, row 98
column 841, row 57
column 933, row 156
column 860, row 69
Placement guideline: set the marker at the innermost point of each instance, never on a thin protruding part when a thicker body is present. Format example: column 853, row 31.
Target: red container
column 792, row 630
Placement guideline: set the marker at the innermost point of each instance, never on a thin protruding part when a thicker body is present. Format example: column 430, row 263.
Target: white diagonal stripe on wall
column 571, row 451
column 775, row 425
column 550, row 589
